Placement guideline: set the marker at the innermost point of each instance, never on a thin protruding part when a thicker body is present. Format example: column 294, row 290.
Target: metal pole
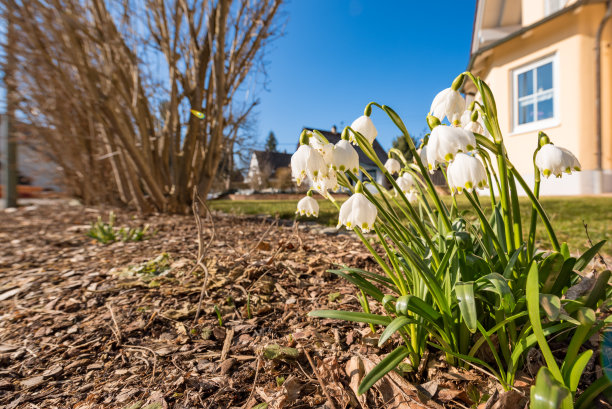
column 9, row 164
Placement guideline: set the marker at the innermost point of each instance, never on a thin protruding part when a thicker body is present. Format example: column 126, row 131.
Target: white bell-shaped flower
column 308, row 206
column 405, row 182
column 345, row 157
column 328, row 183
column 466, row 172
column 357, row 211
column 554, row 160
column 423, row 156
column 323, row 147
column 365, row 127
column 448, row 103
column 473, row 126
column 306, row 161
column 445, row 142
column 393, row 166
column 412, row 196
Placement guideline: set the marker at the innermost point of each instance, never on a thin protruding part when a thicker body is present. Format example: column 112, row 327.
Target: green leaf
column 597, row 387
column 487, row 97
column 511, row 262
column 387, row 364
column 575, row 369
column 564, row 278
column 351, row 316
column 413, row 303
column 598, row 291
column 587, row 256
column 550, row 270
column 395, row 325
column 533, row 307
column 547, row 393
column 551, row 304
column 362, row 284
column 499, row 285
column 565, row 250
column 467, row 304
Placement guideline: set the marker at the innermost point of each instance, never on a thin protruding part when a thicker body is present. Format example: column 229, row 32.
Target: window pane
column 525, row 84
column 525, row 112
column 545, row 109
column 545, row 77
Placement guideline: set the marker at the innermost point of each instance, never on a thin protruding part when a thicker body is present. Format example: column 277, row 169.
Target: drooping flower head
column 345, row 157
column 322, row 146
column 448, row 103
column 466, row 172
column 405, row 182
column 445, row 142
column 308, row 206
column 393, row 166
column 554, row 160
column 307, row 162
column 328, row 183
column 357, row 211
column 365, row 127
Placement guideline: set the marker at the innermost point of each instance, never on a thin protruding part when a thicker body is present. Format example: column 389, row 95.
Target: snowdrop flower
column 345, row 157
column 308, row 206
column 364, row 126
column 466, row 172
column 448, row 103
column 328, row 183
column 323, row 147
column 445, row 142
column 393, row 166
column 471, row 122
column 357, row 211
column 405, row 182
column 412, row 196
column 423, row 155
column 306, row 161
column 555, row 160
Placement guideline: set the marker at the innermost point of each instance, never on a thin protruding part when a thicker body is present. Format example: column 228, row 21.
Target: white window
column 535, row 95
column 552, row 6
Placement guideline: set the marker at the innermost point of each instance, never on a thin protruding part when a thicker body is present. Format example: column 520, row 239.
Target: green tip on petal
column 448, row 157
column 546, row 172
column 469, row 185
column 304, row 138
column 359, row 187
column 577, row 168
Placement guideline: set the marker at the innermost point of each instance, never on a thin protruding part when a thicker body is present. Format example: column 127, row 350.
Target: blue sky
column 338, row 55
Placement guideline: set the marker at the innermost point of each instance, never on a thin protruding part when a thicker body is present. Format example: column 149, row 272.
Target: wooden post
column 7, row 134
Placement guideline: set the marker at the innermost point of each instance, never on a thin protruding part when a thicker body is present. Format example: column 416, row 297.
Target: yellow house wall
column 571, row 37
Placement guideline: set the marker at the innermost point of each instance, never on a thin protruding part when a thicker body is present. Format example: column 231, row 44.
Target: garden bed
column 84, row 325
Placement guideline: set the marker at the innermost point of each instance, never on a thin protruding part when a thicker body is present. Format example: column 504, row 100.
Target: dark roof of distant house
column 363, row 159
column 274, row 159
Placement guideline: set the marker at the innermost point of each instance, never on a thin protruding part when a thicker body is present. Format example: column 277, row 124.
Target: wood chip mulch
column 86, row 325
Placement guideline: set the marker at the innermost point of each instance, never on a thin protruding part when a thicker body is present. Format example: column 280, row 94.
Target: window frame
column 543, row 123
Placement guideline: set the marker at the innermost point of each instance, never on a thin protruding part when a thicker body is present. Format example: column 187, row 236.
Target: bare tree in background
column 113, row 87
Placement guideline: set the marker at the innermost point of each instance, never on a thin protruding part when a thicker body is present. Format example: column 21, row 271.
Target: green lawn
column 566, row 213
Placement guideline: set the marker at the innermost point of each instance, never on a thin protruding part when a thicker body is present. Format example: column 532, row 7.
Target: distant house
column 269, row 169
column 366, row 163
column 540, row 59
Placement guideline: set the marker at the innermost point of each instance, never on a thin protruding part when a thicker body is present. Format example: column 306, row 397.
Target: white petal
column 365, row 127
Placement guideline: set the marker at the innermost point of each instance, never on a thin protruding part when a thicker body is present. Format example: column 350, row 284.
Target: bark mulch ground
column 86, row 325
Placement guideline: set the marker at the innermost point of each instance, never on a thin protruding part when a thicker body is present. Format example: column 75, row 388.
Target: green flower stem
column 454, row 208
column 366, row 308
column 430, row 186
column 400, row 155
column 393, row 259
column 534, row 212
column 486, row 227
column 516, row 217
column 505, row 200
column 536, row 203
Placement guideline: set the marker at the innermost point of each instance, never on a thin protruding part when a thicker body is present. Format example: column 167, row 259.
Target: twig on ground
column 154, row 361
column 226, row 344
column 246, row 404
column 202, row 250
column 586, row 230
column 314, row 369
column 118, row 331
